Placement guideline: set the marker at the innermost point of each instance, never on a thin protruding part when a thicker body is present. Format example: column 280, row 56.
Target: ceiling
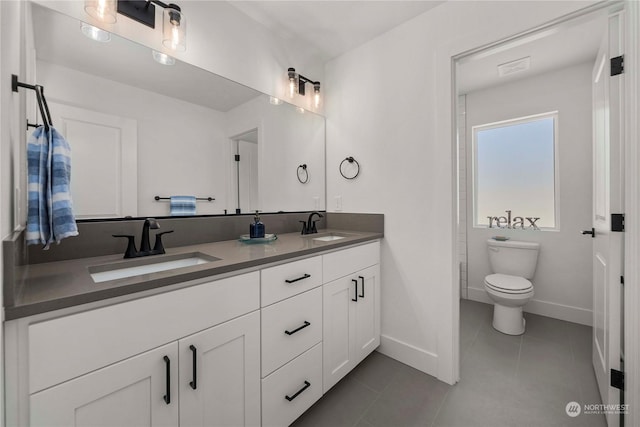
column 333, row 27
column 557, row 48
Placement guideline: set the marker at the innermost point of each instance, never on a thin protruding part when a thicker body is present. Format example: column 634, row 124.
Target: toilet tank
column 513, row 257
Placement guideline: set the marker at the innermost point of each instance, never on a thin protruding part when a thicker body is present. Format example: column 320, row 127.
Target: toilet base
column 508, row 320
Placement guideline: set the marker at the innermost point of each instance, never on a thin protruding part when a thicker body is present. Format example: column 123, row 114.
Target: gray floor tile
column 466, row 407
column 376, row 371
column 546, row 328
column 411, row 399
column 343, row 405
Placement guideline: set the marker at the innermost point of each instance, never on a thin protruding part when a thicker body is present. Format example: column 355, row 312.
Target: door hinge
column 617, row 65
column 622, row 280
column 617, row 222
column 237, row 157
column 617, row 379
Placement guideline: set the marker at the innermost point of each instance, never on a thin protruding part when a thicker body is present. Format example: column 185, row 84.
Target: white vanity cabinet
column 132, row 363
column 351, row 310
column 254, row 349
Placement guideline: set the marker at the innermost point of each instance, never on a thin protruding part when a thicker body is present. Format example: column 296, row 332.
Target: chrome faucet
column 145, row 246
column 309, row 227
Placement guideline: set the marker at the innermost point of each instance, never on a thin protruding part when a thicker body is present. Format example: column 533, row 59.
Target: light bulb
column 174, row 28
column 293, row 82
column 103, row 10
column 316, row 94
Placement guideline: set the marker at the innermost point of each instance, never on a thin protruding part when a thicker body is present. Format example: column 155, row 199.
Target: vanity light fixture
column 95, row 33
column 297, row 84
column 174, row 24
column 162, row 58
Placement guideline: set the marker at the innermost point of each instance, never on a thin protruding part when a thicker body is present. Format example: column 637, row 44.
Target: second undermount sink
column 146, row 265
column 327, row 237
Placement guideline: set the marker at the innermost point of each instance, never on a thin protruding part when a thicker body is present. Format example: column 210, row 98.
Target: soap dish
column 266, row 239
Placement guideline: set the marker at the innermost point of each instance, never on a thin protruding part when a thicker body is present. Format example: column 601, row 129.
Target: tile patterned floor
column 505, row 381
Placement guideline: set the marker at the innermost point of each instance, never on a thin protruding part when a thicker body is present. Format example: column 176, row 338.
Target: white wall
column 389, row 104
column 563, row 278
column 182, row 147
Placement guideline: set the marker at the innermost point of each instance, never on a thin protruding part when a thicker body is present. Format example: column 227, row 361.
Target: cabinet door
column 367, row 312
column 222, row 388
column 139, row 391
column 338, row 329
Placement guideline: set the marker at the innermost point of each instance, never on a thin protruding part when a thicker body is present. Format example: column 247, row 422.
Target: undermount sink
column 146, row 265
column 327, row 237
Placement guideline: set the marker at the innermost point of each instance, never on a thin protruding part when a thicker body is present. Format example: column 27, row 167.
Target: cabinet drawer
column 292, row 389
column 286, row 280
column 341, row 263
column 289, row 328
column 69, row 346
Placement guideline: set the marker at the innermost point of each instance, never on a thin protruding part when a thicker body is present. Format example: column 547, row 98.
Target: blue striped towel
column 183, row 205
column 50, row 215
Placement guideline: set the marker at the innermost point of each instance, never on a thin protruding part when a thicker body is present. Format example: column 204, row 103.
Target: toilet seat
column 508, row 284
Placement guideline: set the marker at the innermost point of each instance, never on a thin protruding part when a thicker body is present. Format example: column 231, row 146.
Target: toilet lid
column 507, row 283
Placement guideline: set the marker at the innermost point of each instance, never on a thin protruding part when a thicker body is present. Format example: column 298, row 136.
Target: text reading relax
column 517, row 222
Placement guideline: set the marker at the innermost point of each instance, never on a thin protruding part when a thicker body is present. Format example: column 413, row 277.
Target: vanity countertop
column 41, row 288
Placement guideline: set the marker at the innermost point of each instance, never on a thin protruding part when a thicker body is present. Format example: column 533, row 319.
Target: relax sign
column 517, row 222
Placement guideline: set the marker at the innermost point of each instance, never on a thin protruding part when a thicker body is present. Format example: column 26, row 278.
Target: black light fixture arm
column 143, row 11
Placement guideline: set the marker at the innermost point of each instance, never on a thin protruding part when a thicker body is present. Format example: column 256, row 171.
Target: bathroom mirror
column 142, row 131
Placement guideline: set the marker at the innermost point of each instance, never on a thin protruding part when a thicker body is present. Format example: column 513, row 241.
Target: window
column 515, row 170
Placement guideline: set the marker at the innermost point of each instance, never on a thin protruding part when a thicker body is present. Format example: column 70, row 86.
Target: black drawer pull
column 362, row 279
column 167, row 397
column 355, row 282
column 307, row 384
column 298, row 329
column 194, row 383
column 306, row 276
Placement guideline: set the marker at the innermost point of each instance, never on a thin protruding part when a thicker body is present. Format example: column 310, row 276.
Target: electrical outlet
column 338, row 203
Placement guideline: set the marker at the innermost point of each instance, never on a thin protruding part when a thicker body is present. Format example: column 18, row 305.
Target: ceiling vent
column 513, row 67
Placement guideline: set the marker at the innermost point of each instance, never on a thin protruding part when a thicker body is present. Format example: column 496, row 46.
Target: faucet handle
column 131, row 251
column 158, row 248
column 313, row 227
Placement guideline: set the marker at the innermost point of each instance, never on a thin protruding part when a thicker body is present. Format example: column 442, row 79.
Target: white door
column 139, row 391
column 220, row 375
column 607, row 200
column 248, row 176
column 104, row 161
column 338, row 325
column 367, row 316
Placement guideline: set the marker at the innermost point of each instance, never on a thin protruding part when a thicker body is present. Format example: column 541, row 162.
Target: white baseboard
column 408, row 354
column 543, row 308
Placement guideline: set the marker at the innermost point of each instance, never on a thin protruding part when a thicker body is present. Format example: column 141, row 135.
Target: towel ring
column 303, row 167
column 349, row 159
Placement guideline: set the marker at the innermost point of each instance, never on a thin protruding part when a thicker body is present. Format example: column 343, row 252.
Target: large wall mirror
column 140, row 130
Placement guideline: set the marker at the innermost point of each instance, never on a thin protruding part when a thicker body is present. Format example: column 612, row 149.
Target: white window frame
column 556, row 176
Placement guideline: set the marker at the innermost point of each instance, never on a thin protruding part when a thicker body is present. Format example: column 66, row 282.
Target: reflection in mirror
column 139, row 129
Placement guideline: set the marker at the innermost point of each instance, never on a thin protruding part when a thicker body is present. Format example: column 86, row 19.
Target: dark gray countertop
column 55, row 285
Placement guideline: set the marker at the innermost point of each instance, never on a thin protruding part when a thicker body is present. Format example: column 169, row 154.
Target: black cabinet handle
column 306, row 276
column 298, row 329
column 355, row 282
column 194, row 383
column 307, row 384
column 362, row 279
column 167, row 397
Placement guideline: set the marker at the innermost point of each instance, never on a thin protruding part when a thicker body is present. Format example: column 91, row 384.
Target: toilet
column 513, row 263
